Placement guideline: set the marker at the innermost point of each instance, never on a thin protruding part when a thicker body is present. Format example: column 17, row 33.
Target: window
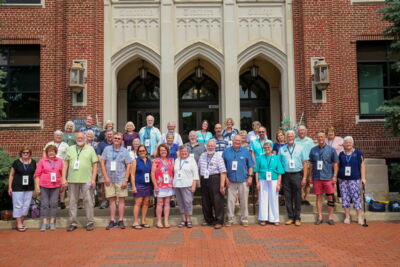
column 22, row 82
column 377, row 80
column 22, row 1
column 193, row 88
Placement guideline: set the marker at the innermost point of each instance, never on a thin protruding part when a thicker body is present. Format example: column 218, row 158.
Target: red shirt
column 161, row 168
column 44, row 169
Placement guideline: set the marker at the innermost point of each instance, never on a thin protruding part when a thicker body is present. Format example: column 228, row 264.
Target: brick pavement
column 309, row 245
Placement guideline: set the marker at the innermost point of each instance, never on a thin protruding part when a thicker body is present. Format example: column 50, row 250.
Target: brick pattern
column 330, row 29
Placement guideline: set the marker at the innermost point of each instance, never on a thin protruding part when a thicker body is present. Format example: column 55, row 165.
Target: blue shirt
column 220, row 144
column 277, row 146
column 354, row 161
column 271, row 164
column 152, row 134
column 244, row 163
column 257, row 146
column 141, row 169
column 328, row 156
column 101, row 146
column 307, row 143
column 229, row 136
column 121, row 157
column 295, row 152
column 173, row 151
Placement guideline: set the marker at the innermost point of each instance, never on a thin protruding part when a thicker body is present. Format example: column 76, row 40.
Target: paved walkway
column 308, row 245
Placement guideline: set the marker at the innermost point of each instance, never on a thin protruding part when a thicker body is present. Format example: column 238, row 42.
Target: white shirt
column 61, row 149
column 177, row 139
column 188, row 170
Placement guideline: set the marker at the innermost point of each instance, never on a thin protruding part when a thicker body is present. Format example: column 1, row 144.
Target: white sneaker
column 360, row 221
column 347, row 220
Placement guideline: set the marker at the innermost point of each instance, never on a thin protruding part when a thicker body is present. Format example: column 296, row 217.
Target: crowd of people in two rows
column 151, row 163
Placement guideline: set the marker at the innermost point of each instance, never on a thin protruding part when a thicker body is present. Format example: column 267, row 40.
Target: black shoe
column 318, row 222
column 111, row 225
column 71, row 228
column 307, row 203
column 331, row 222
column 90, row 227
column 121, row 224
column 61, row 205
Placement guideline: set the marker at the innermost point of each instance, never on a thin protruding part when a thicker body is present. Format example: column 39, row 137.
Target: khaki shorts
column 115, row 190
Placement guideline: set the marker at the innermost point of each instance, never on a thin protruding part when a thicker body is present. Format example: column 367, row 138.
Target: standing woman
column 69, row 135
column 229, row 132
column 243, row 134
column 280, row 141
column 142, row 186
column 162, row 173
column 186, row 174
column 109, row 125
column 90, row 139
column 129, row 136
column 47, row 185
column 203, row 135
column 337, row 143
column 351, row 174
column 135, row 146
column 173, row 148
column 269, row 172
column 21, row 185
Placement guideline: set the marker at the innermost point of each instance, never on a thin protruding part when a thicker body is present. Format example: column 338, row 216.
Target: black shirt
column 21, row 170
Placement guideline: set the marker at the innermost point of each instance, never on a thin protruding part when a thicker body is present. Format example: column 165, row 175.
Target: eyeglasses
column 141, row 150
column 26, row 152
column 117, row 138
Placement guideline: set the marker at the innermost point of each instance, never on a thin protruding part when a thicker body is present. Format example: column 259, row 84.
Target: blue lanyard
column 348, row 158
column 147, row 133
column 291, row 152
column 52, row 165
column 164, row 167
column 321, row 152
column 181, row 164
column 114, row 157
column 269, row 162
column 204, row 136
column 26, row 166
column 209, row 159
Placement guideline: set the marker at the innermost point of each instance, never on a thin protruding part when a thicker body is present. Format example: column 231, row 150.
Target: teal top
column 307, row 143
column 203, row 138
column 267, row 163
column 295, row 152
column 257, row 146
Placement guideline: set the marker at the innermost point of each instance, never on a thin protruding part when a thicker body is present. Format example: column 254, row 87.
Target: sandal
column 144, row 225
column 263, row 223
column 277, row 223
column 189, row 224
column 182, row 224
column 22, row 229
column 167, row 226
column 137, row 227
column 160, row 226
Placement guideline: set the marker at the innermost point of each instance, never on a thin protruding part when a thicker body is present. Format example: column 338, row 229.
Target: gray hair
column 348, row 138
column 256, row 123
column 211, row 140
column 182, row 147
column 136, row 140
column 243, row 132
column 58, row 132
column 70, row 123
column 290, row 132
column 169, row 134
column 90, row 132
column 192, row 132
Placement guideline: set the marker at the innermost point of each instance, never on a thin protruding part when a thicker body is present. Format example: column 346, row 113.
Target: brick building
column 254, row 57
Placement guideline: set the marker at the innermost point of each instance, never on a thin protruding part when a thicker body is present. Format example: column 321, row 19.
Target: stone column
column 168, row 81
column 230, row 96
column 110, row 85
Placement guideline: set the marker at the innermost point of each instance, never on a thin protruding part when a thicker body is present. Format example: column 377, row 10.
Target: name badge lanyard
column 164, row 167
column 268, row 169
column 113, row 155
column 209, row 160
column 147, row 135
column 78, row 153
column 204, row 136
column 26, row 166
column 291, row 152
column 320, row 156
column 348, row 158
column 181, row 163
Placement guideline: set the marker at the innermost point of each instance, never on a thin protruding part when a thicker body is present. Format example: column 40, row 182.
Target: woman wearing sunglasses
column 142, row 187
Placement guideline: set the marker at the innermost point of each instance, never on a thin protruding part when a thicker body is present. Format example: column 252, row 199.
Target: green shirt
column 69, row 138
column 87, row 156
column 269, row 163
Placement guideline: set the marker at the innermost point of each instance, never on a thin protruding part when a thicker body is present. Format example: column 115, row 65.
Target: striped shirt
column 214, row 163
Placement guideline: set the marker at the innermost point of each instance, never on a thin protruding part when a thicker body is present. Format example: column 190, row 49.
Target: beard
column 80, row 143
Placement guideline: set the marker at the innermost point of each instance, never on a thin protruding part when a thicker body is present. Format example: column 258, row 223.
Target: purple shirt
column 128, row 138
column 214, row 163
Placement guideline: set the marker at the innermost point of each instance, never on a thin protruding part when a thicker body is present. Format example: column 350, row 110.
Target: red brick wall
column 330, row 29
column 66, row 30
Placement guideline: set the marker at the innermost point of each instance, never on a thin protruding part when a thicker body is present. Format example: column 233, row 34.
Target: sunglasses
column 141, row 150
column 117, row 138
column 26, row 152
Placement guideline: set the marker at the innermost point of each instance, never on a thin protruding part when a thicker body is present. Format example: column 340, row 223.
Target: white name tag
column 269, row 176
column 25, row 179
column 147, row 177
column 147, row 142
column 76, row 165
column 113, row 166
column 129, row 148
column 291, row 164
column 179, row 176
column 53, row 177
column 206, row 174
column 229, row 143
column 192, row 155
column 320, row 164
column 234, row 165
column 347, row 171
column 166, row 178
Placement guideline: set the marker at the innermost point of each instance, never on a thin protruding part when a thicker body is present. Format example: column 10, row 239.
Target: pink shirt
column 336, row 143
column 44, row 169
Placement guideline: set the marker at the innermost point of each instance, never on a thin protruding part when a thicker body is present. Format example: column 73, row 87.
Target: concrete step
column 102, row 221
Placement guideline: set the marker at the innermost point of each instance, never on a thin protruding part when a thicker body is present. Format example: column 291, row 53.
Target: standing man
column 195, row 148
column 220, row 142
column 239, row 165
column 171, row 126
column 108, row 141
column 212, row 179
column 150, row 135
column 307, row 143
column 115, row 164
column 79, row 174
column 253, row 134
column 294, row 161
column 324, row 169
column 90, row 126
column 257, row 145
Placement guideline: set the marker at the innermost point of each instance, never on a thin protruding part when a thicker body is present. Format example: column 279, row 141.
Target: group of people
column 153, row 164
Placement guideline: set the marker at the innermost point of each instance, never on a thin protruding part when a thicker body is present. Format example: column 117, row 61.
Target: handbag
column 376, row 206
column 394, row 206
column 34, row 208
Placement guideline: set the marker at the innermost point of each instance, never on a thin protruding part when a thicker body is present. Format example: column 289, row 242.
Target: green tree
column 391, row 108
